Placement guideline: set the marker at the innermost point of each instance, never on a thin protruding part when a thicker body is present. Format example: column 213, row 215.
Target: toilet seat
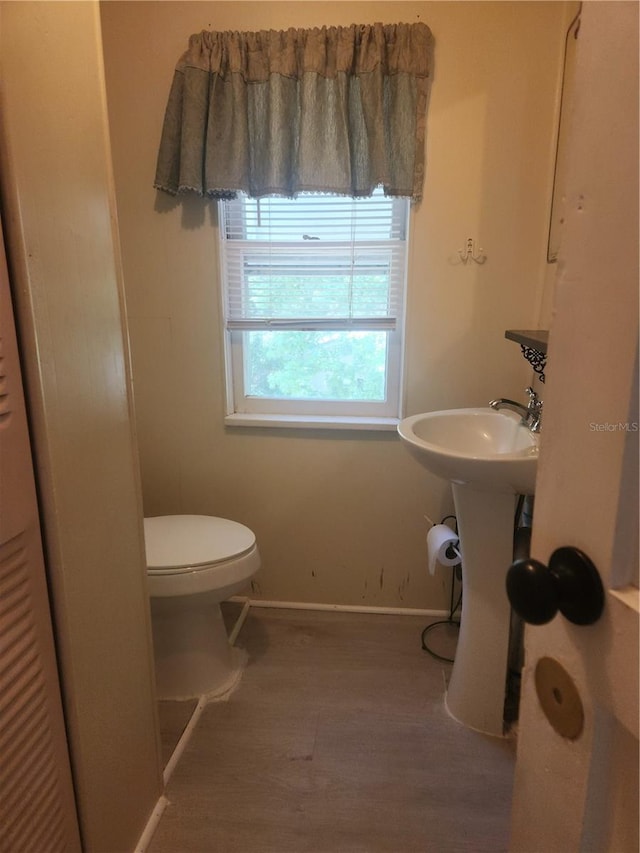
column 184, row 543
column 190, row 554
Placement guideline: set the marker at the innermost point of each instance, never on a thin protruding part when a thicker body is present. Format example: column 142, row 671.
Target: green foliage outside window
column 316, row 365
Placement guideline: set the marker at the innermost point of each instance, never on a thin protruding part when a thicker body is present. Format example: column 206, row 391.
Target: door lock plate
column 559, row 698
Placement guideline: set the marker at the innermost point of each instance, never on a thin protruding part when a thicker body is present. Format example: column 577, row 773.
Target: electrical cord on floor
column 455, row 573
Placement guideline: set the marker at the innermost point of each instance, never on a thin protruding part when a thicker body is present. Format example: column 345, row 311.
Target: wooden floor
column 336, row 741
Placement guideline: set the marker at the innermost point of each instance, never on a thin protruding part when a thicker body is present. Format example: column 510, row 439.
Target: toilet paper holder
column 443, row 547
column 452, row 552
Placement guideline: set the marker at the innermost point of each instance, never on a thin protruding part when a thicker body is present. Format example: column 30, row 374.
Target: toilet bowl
column 193, row 563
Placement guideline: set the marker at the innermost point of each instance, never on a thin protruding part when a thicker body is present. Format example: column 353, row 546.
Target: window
column 313, row 292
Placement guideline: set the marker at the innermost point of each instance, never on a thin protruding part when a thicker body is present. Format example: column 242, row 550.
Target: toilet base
column 191, row 648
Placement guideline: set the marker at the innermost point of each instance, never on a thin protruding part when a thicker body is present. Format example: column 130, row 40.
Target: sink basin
column 481, row 447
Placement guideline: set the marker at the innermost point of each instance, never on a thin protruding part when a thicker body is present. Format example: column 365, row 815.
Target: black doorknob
column 571, row 584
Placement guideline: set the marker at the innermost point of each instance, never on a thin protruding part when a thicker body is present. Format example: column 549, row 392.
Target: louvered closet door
column 37, row 811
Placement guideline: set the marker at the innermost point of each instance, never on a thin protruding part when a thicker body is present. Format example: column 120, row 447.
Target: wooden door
column 37, row 809
column 578, row 790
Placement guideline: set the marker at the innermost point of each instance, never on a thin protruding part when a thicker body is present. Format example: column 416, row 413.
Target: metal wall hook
column 469, row 253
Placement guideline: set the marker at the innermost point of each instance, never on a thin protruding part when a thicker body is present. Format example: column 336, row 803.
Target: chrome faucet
column 531, row 413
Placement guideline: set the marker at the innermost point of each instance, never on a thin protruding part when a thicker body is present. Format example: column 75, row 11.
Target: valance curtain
column 332, row 109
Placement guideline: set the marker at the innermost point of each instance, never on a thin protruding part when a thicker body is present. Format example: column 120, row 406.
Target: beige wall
column 57, row 199
column 339, row 516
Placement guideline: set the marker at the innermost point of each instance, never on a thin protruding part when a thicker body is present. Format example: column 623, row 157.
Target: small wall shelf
column 533, row 344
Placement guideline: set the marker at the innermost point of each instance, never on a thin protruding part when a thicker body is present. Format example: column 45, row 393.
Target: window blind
column 316, row 262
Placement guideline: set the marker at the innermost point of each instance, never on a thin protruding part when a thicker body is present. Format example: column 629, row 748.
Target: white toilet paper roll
column 439, row 539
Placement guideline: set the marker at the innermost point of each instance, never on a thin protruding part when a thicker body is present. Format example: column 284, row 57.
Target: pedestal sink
column 489, row 457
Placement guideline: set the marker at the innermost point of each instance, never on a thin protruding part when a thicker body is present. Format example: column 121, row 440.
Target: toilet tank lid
column 177, row 541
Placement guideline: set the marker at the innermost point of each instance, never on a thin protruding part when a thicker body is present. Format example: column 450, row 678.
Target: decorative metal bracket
column 537, row 360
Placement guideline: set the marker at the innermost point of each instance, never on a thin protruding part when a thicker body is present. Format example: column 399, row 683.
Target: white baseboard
column 233, row 636
column 339, row 608
column 163, row 802
column 152, row 825
column 185, row 737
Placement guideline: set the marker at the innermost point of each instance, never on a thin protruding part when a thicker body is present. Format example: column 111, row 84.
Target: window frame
column 245, row 410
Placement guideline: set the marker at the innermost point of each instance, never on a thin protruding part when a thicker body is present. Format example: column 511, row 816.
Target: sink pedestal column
column 477, row 688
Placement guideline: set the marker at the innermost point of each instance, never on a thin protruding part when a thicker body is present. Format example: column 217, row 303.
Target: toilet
column 193, row 563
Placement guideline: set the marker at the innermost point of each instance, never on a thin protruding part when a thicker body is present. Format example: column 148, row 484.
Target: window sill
column 311, row 422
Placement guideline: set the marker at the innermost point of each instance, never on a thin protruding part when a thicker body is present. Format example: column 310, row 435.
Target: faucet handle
column 534, row 400
column 534, row 410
